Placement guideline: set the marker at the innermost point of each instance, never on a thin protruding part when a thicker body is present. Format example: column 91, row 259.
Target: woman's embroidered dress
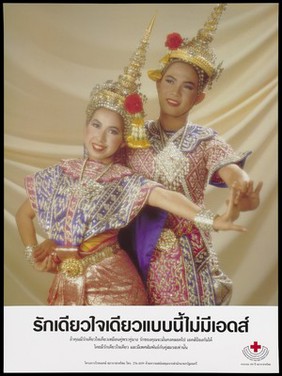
column 74, row 213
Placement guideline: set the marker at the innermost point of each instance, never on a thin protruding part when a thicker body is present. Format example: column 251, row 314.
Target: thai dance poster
column 54, row 54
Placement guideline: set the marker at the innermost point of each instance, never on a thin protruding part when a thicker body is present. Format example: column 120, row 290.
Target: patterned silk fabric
column 113, row 281
column 72, row 213
column 186, row 273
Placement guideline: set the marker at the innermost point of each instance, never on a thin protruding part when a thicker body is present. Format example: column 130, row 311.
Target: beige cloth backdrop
column 55, row 53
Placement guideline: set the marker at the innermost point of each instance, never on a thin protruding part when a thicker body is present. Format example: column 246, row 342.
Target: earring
column 85, row 152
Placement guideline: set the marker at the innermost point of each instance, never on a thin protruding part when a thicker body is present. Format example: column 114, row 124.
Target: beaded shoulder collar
column 187, row 141
column 73, row 168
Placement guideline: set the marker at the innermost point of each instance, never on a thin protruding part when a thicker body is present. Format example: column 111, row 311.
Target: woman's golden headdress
column 196, row 51
column 123, row 96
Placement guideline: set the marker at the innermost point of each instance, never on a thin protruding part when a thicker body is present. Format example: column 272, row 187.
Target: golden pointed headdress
column 196, row 51
column 123, row 96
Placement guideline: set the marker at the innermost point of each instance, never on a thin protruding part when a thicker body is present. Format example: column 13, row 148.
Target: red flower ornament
column 133, row 103
column 173, row 41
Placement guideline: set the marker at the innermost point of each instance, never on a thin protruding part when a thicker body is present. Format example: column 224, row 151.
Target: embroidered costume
column 183, row 268
column 84, row 219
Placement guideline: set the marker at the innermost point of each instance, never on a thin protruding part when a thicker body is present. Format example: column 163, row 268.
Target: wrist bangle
column 204, row 220
column 28, row 253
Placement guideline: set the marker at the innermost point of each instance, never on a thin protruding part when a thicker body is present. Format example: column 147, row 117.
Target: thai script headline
column 181, row 323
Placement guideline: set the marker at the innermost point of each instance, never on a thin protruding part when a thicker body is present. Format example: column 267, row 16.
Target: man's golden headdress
column 196, row 51
column 123, row 96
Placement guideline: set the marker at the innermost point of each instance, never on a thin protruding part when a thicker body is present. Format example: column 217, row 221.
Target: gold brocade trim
column 166, row 241
column 73, row 267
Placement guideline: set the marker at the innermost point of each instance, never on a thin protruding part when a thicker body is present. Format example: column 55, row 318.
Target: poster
column 53, row 56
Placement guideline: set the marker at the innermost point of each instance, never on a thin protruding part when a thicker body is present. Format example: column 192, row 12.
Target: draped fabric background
column 55, row 53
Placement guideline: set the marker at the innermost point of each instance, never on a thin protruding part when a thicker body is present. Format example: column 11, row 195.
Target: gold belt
column 73, row 267
column 167, row 240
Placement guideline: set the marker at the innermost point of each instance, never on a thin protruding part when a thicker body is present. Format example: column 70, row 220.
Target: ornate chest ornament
column 171, row 163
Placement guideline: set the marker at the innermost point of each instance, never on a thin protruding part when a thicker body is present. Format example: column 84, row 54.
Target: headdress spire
column 129, row 81
column 124, row 97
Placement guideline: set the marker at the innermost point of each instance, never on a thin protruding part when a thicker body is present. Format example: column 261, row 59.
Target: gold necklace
column 89, row 186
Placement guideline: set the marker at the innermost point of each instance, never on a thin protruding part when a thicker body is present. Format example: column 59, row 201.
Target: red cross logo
column 255, row 346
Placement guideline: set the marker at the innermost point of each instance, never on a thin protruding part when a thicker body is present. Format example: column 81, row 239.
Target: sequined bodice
column 71, row 209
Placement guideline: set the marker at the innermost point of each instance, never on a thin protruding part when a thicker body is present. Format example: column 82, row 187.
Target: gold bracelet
column 28, row 253
column 204, row 220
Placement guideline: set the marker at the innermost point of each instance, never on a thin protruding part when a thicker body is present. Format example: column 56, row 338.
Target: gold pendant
column 85, row 188
column 89, row 187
